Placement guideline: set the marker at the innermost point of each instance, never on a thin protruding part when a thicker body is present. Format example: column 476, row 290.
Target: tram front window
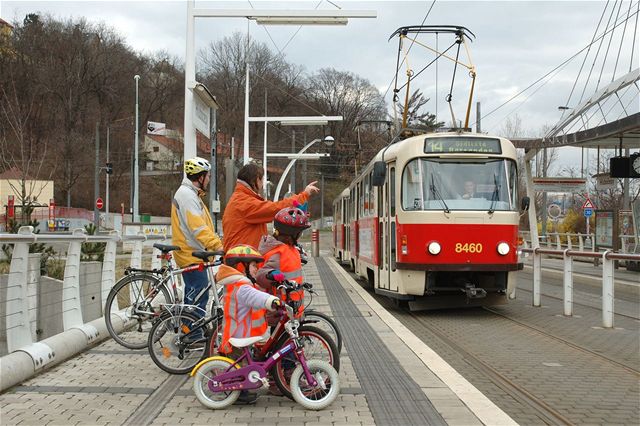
column 443, row 184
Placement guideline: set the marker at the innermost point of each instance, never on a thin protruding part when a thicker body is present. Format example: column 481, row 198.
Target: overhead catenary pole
column 213, row 181
column 96, row 181
column 136, row 168
column 245, row 154
column 321, row 200
column 106, row 221
column 189, row 78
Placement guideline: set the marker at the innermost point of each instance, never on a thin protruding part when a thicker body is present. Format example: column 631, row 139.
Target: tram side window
column 371, row 196
column 392, row 187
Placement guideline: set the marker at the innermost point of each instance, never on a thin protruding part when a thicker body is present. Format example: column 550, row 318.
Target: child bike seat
column 248, row 341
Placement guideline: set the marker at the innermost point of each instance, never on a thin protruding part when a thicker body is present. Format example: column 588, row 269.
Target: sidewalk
column 384, row 380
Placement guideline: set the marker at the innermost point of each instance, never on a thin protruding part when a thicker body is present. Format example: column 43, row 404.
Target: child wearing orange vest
column 281, row 257
column 244, row 305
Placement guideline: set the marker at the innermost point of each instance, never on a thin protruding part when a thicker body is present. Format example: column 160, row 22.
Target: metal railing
column 608, row 259
column 17, row 310
column 582, row 242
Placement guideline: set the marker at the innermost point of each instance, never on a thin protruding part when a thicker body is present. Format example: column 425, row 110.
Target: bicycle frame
column 253, row 375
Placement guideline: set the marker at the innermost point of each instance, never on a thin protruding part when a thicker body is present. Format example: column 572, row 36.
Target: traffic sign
column 588, row 204
column 588, row 212
column 99, row 203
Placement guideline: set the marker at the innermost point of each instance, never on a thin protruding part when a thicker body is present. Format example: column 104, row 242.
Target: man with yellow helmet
column 192, row 227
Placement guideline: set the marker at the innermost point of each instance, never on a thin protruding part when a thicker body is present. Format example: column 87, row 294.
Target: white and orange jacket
column 244, row 307
column 191, row 225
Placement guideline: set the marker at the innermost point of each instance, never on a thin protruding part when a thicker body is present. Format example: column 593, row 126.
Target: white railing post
column 568, row 283
column 109, row 267
column 71, row 306
column 156, row 262
column 607, row 290
column 592, row 238
column 537, row 275
column 558, row 242
column 580, row 242
column 136, row 252
column 569, row 243
column 17, row 303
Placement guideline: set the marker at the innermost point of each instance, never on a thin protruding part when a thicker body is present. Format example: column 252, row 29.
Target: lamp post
column 136, row 217
column 328, row 141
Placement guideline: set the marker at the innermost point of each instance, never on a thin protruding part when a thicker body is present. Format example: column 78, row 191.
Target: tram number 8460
column 468, row 248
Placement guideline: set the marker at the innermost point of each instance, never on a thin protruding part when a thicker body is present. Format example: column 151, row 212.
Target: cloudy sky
column 516, row 44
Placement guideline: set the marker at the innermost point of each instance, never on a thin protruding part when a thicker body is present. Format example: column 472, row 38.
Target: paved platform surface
column 388, row 376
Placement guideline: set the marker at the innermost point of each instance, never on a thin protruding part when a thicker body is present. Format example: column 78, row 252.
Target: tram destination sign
column 464, row 145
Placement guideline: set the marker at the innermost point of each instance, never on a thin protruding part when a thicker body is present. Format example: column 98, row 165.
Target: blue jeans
column 194, row 282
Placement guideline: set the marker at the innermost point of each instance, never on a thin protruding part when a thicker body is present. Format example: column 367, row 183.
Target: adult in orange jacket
column 247, row 213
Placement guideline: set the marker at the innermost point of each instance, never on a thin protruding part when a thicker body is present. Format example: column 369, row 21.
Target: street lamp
column 328, row 141
column 136, row 217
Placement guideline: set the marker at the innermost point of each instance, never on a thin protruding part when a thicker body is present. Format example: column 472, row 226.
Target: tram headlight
column 434, row 248
column 503, row 248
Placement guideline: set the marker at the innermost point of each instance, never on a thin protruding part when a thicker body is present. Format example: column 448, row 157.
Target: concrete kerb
column 478, row 403
column 19, row 365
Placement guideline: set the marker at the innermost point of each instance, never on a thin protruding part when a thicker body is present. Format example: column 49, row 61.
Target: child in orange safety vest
column 281, row 257
column 244, row 305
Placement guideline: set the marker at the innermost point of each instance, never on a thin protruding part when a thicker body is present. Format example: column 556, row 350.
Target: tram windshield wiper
column 494, row 196
column 436, row 193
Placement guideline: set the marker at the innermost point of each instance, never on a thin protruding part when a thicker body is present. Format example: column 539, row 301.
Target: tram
column 432, row 221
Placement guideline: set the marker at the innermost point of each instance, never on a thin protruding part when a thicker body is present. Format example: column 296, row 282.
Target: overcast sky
column 516, row 43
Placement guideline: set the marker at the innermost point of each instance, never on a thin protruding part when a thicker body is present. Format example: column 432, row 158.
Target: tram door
column 386, row 209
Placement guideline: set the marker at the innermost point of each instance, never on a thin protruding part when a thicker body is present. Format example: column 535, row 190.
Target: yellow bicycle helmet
column 196, row 165
column 242, row 254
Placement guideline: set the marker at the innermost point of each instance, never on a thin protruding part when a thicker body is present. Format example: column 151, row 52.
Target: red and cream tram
column 433, row 221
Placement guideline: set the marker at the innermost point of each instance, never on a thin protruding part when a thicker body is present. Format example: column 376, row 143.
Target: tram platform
column 388, row 376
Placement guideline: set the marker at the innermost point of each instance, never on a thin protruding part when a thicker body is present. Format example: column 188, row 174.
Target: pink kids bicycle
column 218, row 380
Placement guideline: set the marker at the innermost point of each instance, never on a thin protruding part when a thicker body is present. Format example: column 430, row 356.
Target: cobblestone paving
column 107, row 384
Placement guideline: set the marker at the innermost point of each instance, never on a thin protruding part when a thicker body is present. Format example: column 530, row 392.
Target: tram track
column 546, row 413
column 528, row 402
column 565, row 341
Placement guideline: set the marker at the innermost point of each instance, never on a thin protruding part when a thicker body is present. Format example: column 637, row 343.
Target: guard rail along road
column 19, row 301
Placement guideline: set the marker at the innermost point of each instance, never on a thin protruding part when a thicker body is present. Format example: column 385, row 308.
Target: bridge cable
column 606, row 54
column 595, row 33
column 634, row 37
column 593, row 64
column 624, row 30
column 553, row 70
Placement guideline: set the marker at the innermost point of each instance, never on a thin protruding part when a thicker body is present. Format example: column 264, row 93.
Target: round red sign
column 99, row 203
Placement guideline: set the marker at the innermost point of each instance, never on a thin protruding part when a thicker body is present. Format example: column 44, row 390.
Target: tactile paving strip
column 394, row 398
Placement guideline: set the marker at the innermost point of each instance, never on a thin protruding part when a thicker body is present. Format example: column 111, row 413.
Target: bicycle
column 218, row 380
column 320, row 319
column 318, row 344
column 136, row 298
column 182, row 334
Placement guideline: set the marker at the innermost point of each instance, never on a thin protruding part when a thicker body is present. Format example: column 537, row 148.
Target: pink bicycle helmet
column 291, row 221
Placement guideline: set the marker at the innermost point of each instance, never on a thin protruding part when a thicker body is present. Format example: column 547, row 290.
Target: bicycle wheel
column 131, row 305
column 319, row 396
column 201, row 378
column 325, row 323
column 317, row 345
column 171, row 346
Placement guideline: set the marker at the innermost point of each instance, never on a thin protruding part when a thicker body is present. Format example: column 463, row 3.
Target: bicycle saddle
column 247, row 341
column 165, row 248
column 205, row 255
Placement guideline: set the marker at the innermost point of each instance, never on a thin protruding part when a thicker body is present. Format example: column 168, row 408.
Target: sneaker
column 246, row 398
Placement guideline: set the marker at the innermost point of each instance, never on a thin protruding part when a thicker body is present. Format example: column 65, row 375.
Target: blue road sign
column 588, row 212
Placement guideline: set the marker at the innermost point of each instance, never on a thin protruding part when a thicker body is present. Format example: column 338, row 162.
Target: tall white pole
column 107, row 183
column 245, row 154
column 264, row 155
column 189, row 78
column 136, row 213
